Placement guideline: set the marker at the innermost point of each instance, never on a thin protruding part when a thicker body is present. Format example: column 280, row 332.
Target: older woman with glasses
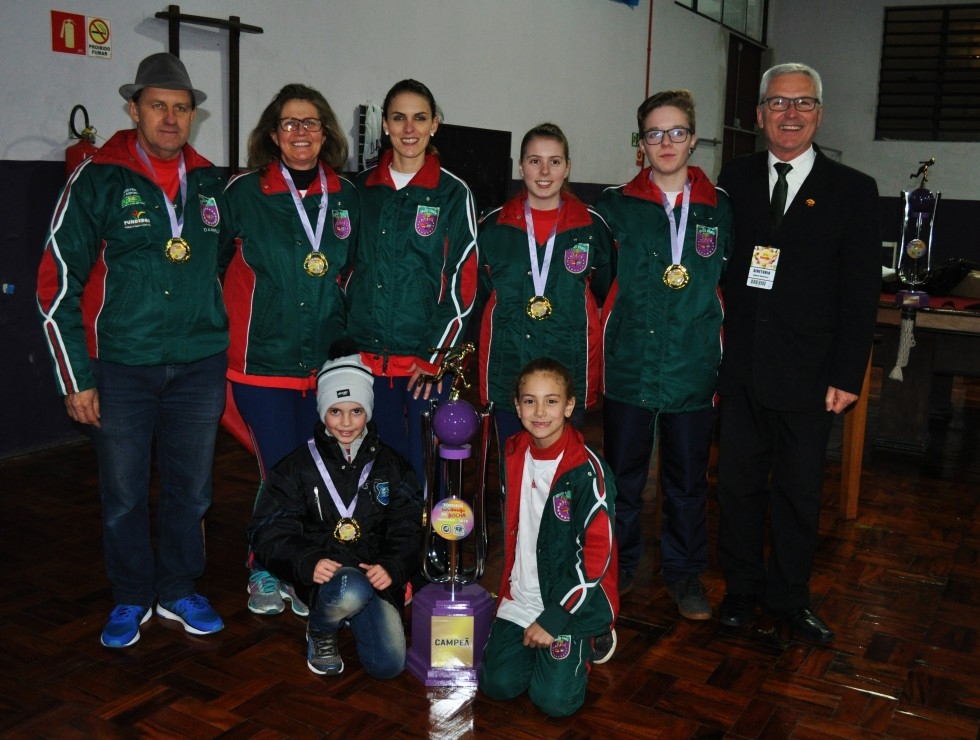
column 662, row 344
column 287, row 228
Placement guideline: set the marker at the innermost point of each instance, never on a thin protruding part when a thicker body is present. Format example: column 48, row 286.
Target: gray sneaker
column 288, row 593
column 688, row 592
column 264, row 593
column 323, row 654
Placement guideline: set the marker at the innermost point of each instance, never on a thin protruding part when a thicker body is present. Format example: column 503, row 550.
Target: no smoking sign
column 78, row 34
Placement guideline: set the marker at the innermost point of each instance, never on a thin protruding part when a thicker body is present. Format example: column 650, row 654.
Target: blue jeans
column 180, row 405
column 349, row 598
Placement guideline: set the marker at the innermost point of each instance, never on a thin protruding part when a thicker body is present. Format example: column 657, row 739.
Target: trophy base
column 912, row 299
column 450, row 627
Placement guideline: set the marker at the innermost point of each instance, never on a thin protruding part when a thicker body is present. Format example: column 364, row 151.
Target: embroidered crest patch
column 706, row 240
column 426, row 218
column 381, row 492
column 577, row 258
column 561, row 648
column 341, row 223
column 131, row 197
column 562, row 503
column 209, row 211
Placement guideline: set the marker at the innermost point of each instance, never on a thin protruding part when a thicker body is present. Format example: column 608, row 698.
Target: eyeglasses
column 654, row 136
column 292, row 124
column 803, row 105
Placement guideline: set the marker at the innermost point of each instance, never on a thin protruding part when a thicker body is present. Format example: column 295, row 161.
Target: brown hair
column 681, row 99
column 262, row 149
column 546, row 365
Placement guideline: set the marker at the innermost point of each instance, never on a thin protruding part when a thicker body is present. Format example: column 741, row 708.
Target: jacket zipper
column 316, row 495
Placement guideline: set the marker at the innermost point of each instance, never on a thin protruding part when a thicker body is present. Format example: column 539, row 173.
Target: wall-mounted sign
column 72, row 33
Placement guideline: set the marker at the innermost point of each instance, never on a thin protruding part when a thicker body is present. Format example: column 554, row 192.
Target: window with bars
column 929, row 84
column 747, row 17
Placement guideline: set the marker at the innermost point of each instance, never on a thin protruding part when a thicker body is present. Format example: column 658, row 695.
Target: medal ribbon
column 539, row 273
column 345, row 511
column 677, row 230
column 176, row 223
column 321, row 219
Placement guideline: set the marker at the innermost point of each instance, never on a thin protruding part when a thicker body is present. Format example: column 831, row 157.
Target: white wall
column 842, row 40
column 501, row 64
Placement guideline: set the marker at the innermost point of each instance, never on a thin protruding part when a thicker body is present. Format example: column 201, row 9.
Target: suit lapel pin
column 810, row 202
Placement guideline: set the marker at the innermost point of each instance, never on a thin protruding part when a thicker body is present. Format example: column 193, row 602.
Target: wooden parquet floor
column 900, row 584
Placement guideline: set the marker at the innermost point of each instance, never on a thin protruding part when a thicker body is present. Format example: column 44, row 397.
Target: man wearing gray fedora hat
column 132, row 312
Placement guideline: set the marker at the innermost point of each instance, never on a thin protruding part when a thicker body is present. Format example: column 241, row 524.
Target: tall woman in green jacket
column 412, row 284
column 546, row 266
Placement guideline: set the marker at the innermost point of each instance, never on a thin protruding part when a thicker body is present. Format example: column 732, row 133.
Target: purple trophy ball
column 455, row 422
column 921, row 201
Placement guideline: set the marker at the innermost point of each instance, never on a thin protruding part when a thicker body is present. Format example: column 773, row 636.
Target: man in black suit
column 800, row 303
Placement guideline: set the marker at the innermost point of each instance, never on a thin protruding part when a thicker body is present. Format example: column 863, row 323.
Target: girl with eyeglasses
column 288, row 226
column 412, row 283
column 662, row 344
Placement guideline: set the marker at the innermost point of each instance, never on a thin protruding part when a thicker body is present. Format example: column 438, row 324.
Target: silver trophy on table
column 914, row 259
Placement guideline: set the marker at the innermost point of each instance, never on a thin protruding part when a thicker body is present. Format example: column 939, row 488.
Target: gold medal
column 347, row 530
column 676, row 277
column 539, row 308
column 178, row 250
column 315, row 264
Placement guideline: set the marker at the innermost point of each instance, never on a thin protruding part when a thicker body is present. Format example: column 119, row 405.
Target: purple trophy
column 451, row 616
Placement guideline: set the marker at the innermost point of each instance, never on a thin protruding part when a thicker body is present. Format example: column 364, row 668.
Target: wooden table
column 947, row 341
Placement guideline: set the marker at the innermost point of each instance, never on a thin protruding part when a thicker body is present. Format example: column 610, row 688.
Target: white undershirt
column 401, row 179
column 526, row 604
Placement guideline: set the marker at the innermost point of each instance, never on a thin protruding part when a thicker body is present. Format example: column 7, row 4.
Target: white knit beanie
column 344, row 379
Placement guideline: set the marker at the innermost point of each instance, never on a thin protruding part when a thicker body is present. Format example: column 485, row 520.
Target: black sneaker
column 322, row 653
column 603, row 647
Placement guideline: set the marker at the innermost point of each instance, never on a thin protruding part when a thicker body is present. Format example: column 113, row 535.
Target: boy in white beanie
column 340, row 519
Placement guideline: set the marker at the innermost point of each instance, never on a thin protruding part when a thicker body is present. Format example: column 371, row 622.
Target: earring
column 691, row 150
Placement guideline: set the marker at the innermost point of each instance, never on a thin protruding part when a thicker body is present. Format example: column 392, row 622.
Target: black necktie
column 778, row 204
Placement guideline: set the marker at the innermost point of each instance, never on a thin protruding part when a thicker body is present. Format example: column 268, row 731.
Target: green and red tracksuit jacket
column 282, row 319
column 575, row 544
column 662, row 346
column 412, row 283
column 582, row 268
column 106, row 288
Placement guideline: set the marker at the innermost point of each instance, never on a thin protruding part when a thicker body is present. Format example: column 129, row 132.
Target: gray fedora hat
column 165, row 71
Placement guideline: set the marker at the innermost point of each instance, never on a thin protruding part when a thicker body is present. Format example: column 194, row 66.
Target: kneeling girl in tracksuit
column 555, row 598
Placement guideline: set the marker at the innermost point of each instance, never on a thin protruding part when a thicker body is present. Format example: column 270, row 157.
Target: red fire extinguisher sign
column 68, row 32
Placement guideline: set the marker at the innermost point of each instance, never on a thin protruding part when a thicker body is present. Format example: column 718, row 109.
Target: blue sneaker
column 194, row 612
column 123, row 627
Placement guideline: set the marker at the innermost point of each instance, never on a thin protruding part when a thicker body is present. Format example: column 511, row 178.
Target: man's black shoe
column 737, row 610
column 805, row 623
